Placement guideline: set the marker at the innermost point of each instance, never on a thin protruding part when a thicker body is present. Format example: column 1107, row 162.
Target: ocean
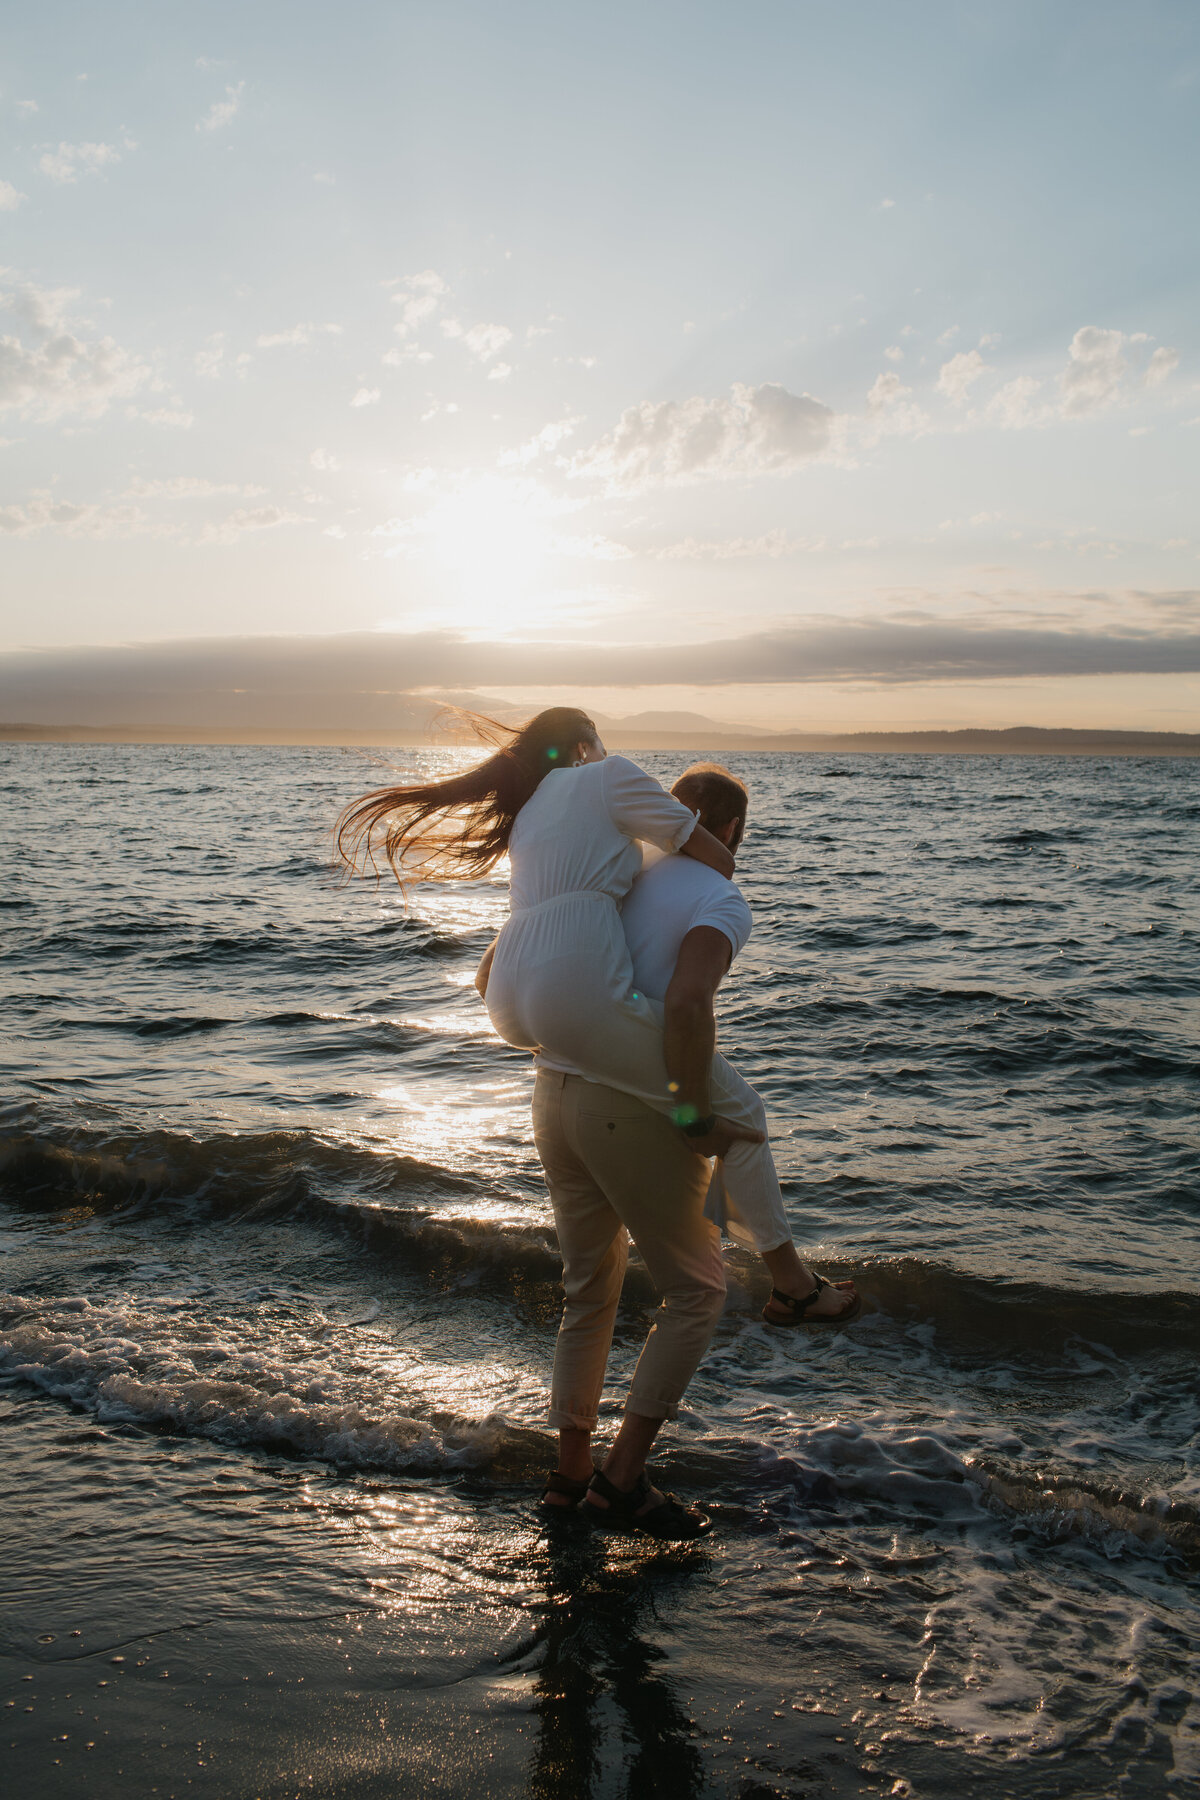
column 280, row 1293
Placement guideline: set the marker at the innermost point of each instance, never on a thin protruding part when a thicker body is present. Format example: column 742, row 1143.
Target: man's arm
column 690, row 1035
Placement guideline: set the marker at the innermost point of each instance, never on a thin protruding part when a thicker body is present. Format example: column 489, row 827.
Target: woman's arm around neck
column 705, row 848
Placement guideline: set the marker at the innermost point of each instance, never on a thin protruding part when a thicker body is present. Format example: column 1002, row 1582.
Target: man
column 616, row 1169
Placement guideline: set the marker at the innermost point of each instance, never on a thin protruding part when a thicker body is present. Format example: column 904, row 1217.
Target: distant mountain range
column 691, row 733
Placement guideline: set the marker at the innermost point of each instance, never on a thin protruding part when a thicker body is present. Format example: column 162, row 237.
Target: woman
column 559, row 977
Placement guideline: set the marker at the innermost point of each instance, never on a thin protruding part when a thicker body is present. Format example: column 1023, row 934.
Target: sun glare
column 489, row 543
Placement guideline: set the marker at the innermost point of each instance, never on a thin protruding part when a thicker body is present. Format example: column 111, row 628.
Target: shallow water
column 281, row 1295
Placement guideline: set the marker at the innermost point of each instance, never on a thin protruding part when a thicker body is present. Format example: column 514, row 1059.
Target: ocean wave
column 146, row 1367
column 258, row 1371
column 426, row 1214
column 937, row 1472
column 459, row 1223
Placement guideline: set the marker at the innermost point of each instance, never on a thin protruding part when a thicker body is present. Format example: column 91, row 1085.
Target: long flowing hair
column 458, row 828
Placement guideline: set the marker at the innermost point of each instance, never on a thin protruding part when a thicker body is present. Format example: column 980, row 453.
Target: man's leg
column 594, row 1251
column 657, row 1187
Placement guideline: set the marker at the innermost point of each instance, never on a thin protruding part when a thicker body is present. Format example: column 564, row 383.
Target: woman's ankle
column 788, row 1273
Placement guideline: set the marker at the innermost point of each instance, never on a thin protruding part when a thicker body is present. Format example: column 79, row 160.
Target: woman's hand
column 706, row 848
column 723, row 1136
column 485, row 968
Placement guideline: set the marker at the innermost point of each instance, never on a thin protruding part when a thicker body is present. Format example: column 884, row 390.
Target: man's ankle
column 575, row 1454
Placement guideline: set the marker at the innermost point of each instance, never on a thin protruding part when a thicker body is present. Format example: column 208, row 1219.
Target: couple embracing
column 607, row 968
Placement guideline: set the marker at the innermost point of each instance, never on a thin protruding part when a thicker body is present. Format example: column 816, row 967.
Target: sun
column 490, row 544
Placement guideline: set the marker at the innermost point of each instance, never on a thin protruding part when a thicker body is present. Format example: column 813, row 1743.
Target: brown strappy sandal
column 571, row 1490
column 799, row 1308
column 670, row 1519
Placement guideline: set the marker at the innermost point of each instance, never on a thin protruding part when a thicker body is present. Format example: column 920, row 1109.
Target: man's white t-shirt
column 672, row 896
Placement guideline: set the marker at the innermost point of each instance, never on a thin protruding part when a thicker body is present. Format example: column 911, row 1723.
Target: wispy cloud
column 957, row 377
column 223, row 111
column 770, row 544
column 757, row 430
column 69, row 161
column 1098, row 375
column 175, row 416
column 541, row 444
column 419, row 298
column 43, row 512
column 48, row 371
column 296, row 335
column 185, row 487
column 10, row 197
column 483, row 341
column 248, row 519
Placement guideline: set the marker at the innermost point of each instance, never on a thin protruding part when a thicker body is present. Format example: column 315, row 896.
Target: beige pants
column 616, row 1170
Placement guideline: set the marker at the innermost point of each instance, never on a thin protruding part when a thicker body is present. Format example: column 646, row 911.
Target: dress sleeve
column 641, row 808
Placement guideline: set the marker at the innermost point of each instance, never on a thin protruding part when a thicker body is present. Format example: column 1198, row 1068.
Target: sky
column 807, row 366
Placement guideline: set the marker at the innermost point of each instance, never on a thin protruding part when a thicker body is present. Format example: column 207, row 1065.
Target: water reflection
column 602, row 1696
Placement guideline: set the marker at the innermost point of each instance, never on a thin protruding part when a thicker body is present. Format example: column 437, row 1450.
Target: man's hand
column 723, row 1136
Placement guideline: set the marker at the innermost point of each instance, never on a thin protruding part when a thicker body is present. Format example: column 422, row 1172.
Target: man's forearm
column 689, row 1039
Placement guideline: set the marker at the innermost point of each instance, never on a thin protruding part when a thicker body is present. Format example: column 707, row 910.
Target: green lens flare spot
column 684, row 1115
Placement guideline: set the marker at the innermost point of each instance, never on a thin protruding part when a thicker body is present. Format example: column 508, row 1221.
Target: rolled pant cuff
column 646, row 1407
column 561, row 1420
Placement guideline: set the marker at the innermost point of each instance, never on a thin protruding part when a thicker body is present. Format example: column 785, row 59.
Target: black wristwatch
column 700, row 1127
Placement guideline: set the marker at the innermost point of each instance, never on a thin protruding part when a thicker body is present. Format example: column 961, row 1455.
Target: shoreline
column 1014, row 741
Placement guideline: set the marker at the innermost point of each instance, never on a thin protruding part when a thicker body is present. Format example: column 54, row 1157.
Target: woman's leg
column 583, row 1011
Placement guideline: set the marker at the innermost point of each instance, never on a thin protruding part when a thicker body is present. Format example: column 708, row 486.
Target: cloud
column 1094, row 379
column 246, row 519
column 366, row 397
column 167, row 415
column 65, row 164
column 185, row 487
column 771, row 543
column 42, row 512
column 890, row 412
column 1161, row 365
column 418, row 297
column 210, row 356
column 1016, row 405
column 400, row 354
column 547, row 439
column 758, row 430
column 296, row 335
column 48, row 372
column 356, row 678
column 957, row 377
column 221, row 112
column 10, row 198
column 485, row 341
column 499, row 371
column 1094, row 371
column 321, row 459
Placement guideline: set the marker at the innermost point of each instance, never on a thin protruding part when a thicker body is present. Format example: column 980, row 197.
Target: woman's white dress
column 561, row 980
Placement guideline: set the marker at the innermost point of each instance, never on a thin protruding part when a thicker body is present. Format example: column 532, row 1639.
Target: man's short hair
column 714, row 793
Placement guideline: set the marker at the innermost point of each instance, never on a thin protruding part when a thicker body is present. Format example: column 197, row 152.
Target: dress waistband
column 523, row 912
